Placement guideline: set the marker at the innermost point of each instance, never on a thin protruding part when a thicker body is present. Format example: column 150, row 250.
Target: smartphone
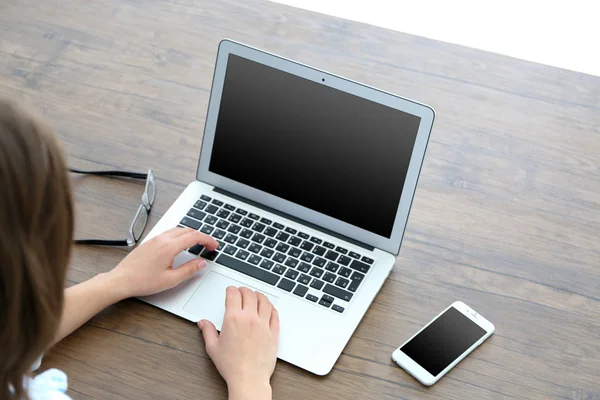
column 443, row 343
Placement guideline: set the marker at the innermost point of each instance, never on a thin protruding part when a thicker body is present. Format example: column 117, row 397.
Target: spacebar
column 248, row 269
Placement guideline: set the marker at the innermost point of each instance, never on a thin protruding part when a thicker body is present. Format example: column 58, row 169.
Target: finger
column 211, row 336
column 233, row 299
column 249, row 300
column 183, row 272
column 189, row 239
column 264, row 307
column 274, row 323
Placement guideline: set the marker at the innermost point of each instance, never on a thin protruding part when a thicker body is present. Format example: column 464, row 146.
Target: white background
column 560, row 33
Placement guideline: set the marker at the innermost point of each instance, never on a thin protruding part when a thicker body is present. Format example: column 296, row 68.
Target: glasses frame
column 148, row 198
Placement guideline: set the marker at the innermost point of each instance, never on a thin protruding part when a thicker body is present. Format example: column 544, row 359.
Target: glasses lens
column 139, row 224
column 151, row 188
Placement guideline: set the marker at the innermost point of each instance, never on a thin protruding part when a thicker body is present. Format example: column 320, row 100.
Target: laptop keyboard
column 283, row 257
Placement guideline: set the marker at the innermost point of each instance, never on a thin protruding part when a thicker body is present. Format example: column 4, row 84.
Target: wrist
column 249, row 391
column 116, row 284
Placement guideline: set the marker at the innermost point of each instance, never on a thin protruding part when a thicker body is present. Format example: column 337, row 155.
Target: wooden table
column 506, row 217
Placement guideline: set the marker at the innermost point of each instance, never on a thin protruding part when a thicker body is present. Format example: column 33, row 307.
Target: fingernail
column 201, row 324
column 201, row 264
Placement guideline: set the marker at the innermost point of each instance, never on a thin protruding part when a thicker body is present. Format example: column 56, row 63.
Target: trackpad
column 208, row 301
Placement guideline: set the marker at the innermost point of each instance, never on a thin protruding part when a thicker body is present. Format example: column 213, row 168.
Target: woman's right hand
column 246, row 350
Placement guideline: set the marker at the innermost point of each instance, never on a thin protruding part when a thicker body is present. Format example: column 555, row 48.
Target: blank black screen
column 313, row 145
column 442, row 342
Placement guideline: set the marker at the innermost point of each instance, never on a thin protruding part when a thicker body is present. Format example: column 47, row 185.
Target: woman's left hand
column 148, row 269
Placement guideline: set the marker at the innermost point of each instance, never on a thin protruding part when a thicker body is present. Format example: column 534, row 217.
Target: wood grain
column 506, row 217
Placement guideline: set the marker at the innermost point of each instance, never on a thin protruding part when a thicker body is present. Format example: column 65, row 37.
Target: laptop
column 306, row 180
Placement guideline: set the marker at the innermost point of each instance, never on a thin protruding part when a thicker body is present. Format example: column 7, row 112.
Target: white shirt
column 49, row 385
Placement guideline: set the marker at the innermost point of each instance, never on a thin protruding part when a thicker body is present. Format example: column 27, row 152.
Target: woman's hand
column 148, row 269
column 246, row 350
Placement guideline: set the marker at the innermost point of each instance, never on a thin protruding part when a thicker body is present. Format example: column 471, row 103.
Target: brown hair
column 36, row 231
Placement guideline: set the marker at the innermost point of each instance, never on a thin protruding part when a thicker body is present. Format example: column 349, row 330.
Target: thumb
column 210, row 334
column 185, row 271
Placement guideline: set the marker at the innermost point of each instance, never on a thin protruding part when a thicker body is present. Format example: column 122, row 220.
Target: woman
column 36, row 233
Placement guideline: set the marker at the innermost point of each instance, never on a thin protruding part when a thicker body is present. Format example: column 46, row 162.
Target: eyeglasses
column 138, row 225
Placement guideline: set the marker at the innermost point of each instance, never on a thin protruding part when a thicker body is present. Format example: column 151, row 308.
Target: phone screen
column 443, row 341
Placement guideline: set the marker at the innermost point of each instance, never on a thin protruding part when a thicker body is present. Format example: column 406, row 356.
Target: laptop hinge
column 295, row 219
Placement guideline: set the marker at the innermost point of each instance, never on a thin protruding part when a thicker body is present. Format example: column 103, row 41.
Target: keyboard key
column 355, row 255
column 282, row 247
column 342, row 282
column 357, row 276
column 234, row 218
column 316, row 240
column 255, row 248
column 207, row 229
column 294, row 241
column 180, row 226
column 254, row 216
column 312, row 298
column 219, row 234
column 205, row 198
column 270, row 243
column 278, row 225
column 300, row 290
column 291, row 230
column 234, row 228
column 210, row 255
column 211, row 219
column 267, row 253
column 231, row 238
column 258, row 238
column 319, row 262
column 217, row 202
column 258, row 227
column 279, row 269
column 190, row 223
column 360, row 266
column 248, row 269
column 332, row 267
column 337, row 292
column 329, row 277
column 242, row 254
column 317, row 284
column 278, row 257
column 211, row 209
column 229, row 207
column 270, row 232
column 267, row 264
column 246, row 233
column 247, row 222
column 196, row 249
column 344, row 260
column 337, row 308
column 307, row 257
column 327, row 298
column 266, row 221
column 307, row 246
column 221, row 245
column 254, row 259
column 230, row 250
column 304, row 279
column 200, row 205
column 303, row 235
column 223, row 213
column 331, row 255
column 319, row 250
column 291, row 262
column 367, row 260
column 282, row 236
column 329, row 245
column 324, row 303
column 286, row 285
column 345, row 272
column 292, row 274
column 196, row 214
column 354, row 285
column 242, row 243
column 341, row 250
column 316, row 272
column 222, row 224
column 241, row 212
column 304, row 267
column 294, row 252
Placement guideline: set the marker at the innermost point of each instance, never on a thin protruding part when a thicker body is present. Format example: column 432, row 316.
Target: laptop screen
column 316, row 146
